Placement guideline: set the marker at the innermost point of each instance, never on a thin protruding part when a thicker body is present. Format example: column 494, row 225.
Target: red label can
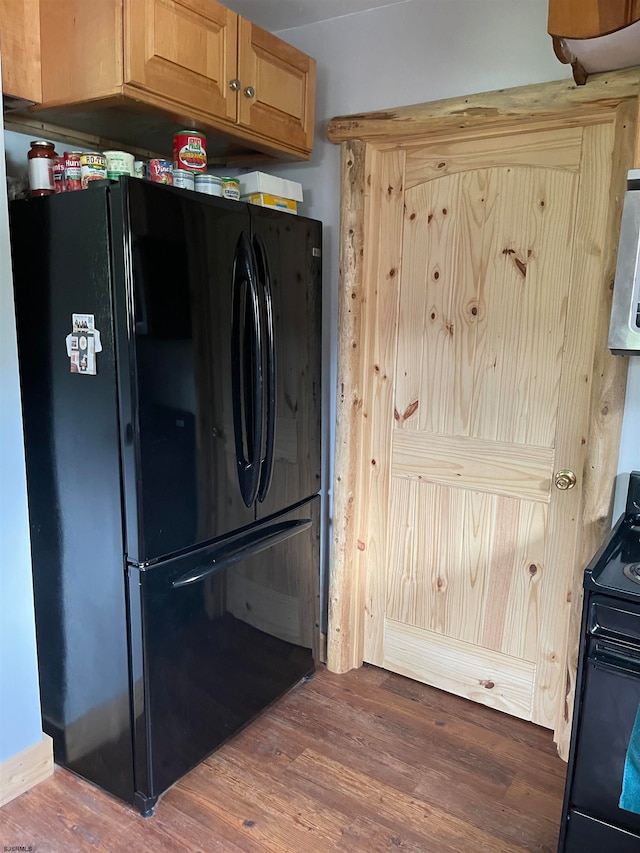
column 160, row 171
column 58, row 175
column 190, row 151
column 72, row 170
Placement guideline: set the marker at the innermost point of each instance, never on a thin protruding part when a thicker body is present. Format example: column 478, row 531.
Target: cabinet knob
column 249, row 92
column 234, row 85
column 564, row 480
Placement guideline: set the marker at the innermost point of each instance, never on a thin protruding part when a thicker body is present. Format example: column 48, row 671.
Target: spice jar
column 41, row 158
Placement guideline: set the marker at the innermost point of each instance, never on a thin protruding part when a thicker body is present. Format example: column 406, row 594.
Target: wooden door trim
column 346, row 599
column 605, row 419
column 613, row 98
column 560, row 99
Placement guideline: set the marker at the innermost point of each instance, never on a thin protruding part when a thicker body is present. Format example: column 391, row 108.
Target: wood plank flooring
column 364, row 761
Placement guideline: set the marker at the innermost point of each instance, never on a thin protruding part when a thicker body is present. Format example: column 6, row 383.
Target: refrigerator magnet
column 83, row 344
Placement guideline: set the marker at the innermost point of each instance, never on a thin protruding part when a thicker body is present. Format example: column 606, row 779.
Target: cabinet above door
column 583, row 19
column 595, row 35
column 132, row 70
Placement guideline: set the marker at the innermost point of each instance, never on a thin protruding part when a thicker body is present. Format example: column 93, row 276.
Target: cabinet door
column 278, row 87
column 20, row 48
column 183, row 50
column 590, row 18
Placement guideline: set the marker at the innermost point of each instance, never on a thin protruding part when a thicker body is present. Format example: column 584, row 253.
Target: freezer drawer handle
column 248, row 546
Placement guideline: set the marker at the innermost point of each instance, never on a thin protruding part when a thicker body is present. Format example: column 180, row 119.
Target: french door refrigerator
column 169, row 349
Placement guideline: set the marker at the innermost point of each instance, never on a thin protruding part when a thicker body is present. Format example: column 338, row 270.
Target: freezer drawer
column 217, row 636
column 585, row 833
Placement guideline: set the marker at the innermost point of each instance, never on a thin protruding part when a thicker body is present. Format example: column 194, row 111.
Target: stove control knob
column 564, row 480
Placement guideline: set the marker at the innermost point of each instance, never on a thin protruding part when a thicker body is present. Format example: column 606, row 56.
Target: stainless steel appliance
column 607, row 695
column 624, row 328
column 169, row 348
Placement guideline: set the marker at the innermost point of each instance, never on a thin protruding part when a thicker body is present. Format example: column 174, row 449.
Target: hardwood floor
column 364, row 761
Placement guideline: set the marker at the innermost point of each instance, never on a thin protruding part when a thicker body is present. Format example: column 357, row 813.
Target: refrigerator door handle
column 264, row 277
column 246, row 379
column 249, row 545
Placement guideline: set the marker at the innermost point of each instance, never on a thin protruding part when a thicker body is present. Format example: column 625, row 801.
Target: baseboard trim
column 24, row 770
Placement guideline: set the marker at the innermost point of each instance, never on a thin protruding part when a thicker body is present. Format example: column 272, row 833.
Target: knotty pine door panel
column 501, row 245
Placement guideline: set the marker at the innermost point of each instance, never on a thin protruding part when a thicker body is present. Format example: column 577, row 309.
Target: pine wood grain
column 489, row 110
column 366, row 761
column 500, row 467
column 26, row 769
column 606, row 410
column 382, row 270
column 480, row 357
column 553, row 148
column 487, row 328
column 463, row 668
column 346, row 590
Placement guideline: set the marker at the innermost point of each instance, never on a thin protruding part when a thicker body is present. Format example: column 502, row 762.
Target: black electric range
column 607, row 701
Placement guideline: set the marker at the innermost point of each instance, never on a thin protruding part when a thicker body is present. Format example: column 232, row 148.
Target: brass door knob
column 564, row 480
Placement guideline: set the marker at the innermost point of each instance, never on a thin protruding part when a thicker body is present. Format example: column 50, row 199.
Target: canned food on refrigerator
column 58, row 175
column 160, row 171
column 209, row 184
column 183, row 178
column 72, row 170
column 231, row 188
column 139, row 169
column 93, row 167
column 190, row 151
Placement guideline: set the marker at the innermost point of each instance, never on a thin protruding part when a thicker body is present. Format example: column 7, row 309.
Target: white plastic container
column 119, row 162
column 261, row 182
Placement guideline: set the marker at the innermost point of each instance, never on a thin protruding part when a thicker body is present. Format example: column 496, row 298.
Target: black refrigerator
column 169, row 350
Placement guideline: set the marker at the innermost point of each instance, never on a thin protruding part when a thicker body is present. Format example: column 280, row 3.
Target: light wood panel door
column 183, row 50
column 483, row 342
column 278, row 83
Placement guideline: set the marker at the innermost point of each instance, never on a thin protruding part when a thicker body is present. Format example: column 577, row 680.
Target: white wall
column 20, row 724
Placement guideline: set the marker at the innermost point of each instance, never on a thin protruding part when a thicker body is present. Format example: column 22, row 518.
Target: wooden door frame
column 371, row 185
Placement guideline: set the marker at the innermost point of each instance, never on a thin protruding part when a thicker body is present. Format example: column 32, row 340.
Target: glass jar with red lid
column 41, row 158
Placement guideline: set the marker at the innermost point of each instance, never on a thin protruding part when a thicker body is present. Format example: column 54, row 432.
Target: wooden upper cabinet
column 20, row 50
column 277, row 86
column 184, row 51
column 581, row 19
column 195, row 62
